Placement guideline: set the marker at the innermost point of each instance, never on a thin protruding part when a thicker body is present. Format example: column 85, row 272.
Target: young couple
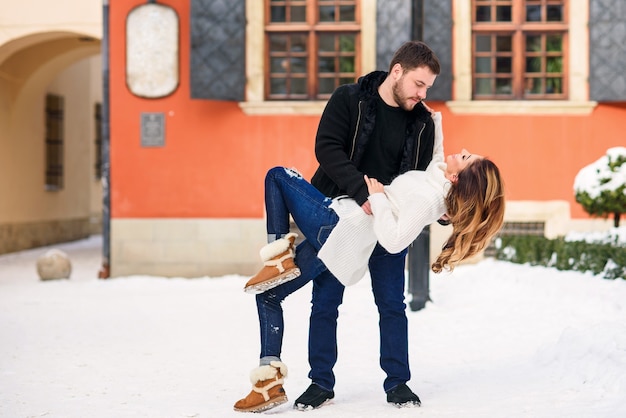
column 381, row 164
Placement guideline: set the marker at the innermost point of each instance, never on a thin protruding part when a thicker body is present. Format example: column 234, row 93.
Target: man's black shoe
column 402, row 397
column 314, row 397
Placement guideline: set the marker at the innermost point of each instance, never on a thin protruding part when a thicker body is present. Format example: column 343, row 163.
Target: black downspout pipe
column 419, row 250
column 105, row 270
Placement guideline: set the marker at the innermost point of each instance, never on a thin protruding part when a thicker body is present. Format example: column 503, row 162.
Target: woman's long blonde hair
column 475, row 206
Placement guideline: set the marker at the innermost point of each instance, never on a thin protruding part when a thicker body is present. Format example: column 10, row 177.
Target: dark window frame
column 54, row 142
column 314, row 84
column 98, row 141
column 521, row 83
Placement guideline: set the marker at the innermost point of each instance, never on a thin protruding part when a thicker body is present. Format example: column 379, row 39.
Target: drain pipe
column 104, row 272
column 419, row 250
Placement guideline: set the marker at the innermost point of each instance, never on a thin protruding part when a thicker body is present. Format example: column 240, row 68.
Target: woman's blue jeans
column 287, row 192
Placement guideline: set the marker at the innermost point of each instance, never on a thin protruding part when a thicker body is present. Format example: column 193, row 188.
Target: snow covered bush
column 601, row 186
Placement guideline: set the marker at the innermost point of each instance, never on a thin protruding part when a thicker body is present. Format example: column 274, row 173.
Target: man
column 378, row 127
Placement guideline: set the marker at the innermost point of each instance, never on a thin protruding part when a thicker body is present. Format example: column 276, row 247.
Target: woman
column 340, row 236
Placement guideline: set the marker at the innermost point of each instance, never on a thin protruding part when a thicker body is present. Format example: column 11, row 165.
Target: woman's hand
column 430, row 109
column 373, row 185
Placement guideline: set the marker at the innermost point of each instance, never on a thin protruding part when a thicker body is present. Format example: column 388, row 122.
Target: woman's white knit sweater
column 412, row 201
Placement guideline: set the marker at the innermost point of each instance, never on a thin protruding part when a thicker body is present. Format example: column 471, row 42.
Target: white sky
column 498, row 340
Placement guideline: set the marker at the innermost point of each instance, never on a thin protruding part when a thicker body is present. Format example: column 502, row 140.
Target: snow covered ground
column 498, row 340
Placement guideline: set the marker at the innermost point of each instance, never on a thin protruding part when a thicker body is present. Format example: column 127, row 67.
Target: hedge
column 605, row 259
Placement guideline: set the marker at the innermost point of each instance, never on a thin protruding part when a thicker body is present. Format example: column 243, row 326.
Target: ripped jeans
column 288, row 193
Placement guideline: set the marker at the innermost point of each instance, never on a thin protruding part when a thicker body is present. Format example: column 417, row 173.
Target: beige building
column 50, row 92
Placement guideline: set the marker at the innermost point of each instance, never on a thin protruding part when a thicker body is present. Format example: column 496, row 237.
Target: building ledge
column 484, row 107
column 283, row 107
column 521, row 107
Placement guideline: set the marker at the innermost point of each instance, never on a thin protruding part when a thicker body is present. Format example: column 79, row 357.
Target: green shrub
column 605, row 259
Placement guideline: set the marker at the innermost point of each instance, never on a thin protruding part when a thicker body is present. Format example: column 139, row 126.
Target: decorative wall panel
column 607, row 50
column 218, row 49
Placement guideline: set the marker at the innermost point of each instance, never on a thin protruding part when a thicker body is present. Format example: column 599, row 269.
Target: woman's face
column 457, row 162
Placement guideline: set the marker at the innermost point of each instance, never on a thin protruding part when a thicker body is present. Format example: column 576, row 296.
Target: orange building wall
column 539, row 156
column 215, row 157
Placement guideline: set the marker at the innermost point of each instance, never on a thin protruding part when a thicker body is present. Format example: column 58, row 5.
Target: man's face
column 410, row 87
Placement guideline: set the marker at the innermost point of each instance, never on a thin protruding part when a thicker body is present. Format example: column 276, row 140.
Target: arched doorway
column 50, row 88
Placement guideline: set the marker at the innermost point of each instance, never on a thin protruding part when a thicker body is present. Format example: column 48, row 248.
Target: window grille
column 55, row 115
column 98, row 140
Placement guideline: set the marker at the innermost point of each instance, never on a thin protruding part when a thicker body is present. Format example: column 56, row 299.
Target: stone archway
column 33, row 66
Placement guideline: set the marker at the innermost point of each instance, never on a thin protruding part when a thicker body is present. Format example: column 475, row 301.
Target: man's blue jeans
column 286, row 192
column 387, row 274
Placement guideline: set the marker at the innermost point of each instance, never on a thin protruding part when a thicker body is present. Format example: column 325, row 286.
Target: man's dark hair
column 414, row 54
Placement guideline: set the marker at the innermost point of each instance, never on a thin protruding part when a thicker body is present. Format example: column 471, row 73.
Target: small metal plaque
column 152, row 129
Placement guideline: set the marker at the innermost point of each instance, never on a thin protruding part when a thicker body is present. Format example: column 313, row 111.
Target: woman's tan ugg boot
column 279, row 266
column 267, row 388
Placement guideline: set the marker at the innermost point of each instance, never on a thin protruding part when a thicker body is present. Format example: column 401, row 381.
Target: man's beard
column 401, row 100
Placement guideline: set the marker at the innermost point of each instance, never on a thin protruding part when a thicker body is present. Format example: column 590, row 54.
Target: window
column 519, row 49
column 98, row 140
column 54, row 142
column 313, row 46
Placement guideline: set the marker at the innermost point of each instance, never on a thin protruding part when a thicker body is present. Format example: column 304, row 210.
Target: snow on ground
column 498, row 340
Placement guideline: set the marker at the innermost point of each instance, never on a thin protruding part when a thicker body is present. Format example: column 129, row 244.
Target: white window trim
column 578, row 102
column 255, row 103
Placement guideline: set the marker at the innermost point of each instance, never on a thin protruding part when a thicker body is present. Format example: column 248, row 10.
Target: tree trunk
column 616, row 217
